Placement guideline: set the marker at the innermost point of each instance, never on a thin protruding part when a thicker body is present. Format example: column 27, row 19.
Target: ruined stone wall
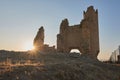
column 84, row 36
column 39, row 39
column 49, row 49
column 39, row 42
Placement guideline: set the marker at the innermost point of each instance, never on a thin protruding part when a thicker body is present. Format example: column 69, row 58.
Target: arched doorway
column 75, row 51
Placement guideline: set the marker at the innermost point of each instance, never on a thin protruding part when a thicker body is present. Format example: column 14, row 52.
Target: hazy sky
column 20, row 20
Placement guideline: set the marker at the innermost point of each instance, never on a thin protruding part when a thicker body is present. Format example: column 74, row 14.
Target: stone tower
column 39, row 39
column 83, row 36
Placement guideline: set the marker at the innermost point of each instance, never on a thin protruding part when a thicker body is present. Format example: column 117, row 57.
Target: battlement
column 90, row 13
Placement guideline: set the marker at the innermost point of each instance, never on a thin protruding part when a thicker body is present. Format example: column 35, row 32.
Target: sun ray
column 28, row 46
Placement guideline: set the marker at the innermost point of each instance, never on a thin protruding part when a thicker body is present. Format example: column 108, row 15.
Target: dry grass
column 60, row 66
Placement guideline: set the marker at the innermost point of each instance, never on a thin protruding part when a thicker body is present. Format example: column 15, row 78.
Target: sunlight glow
column 28, row 46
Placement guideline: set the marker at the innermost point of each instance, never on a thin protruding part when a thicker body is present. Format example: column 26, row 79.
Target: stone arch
column 75, row 51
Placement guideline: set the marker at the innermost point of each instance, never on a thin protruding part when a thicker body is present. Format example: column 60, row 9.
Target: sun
column 28, row 46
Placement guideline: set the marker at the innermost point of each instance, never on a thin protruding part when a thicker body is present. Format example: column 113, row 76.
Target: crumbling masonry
column 39, row 42
column 84, row 36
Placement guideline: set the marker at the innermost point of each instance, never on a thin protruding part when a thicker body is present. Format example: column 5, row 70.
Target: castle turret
column 91, row 20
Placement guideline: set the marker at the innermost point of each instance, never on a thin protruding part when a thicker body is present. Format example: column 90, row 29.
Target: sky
column 21, row 19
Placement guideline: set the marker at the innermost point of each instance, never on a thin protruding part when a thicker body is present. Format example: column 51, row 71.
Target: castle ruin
column 39, row 39
column 39, row 42
column 83, row 36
